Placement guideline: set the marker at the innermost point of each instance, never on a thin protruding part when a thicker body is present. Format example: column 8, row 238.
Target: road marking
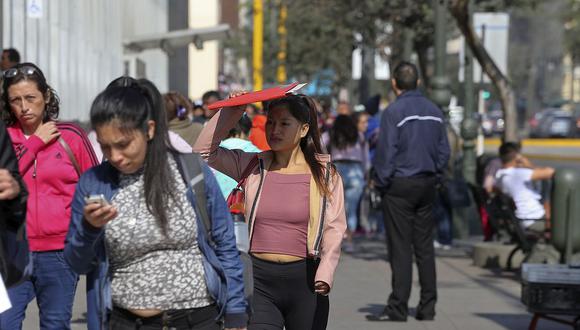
column 539, row 142
column 554, row 157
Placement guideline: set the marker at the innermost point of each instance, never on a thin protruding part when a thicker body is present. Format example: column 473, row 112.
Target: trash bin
column 566, row 212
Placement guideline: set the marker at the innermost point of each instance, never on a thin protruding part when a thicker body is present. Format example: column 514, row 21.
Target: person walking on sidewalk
column 51, row 157
column 294, row 207
column 155, row 265
column 349, row 152
column 412, row 151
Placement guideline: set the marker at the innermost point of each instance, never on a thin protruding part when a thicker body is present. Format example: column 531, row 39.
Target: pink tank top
column 281, row 224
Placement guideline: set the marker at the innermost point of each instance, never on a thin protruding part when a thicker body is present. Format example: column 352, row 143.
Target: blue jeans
column 442, row 215
column 53, row 284
column 353, row 179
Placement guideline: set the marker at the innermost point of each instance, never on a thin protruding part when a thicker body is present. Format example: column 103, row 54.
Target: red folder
column 258, row 96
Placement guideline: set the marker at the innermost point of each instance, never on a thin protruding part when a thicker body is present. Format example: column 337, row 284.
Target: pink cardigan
column 324, row 233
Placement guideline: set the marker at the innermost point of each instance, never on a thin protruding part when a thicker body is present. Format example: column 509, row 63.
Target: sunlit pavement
column 469, row 297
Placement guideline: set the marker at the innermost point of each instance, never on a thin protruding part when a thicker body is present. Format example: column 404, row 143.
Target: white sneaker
column 444, row 247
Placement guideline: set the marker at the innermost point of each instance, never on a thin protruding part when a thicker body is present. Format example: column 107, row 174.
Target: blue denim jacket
column 85, row 250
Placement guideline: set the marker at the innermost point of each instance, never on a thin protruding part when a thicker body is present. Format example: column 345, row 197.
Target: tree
column 460, row 11
column 572, row 34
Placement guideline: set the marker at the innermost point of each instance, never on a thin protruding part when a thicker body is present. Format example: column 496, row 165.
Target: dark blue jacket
column 85, row 249
column 412, row 139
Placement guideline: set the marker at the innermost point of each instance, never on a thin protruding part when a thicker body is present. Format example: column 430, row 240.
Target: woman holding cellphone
column 156, row 268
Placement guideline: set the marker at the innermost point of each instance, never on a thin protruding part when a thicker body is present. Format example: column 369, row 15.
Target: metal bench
column 501, row 210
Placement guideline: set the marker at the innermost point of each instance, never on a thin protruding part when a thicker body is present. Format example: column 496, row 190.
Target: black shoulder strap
column 324, row 202
column 190, row 166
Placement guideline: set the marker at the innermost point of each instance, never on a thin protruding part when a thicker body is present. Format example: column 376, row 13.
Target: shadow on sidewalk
column 371, row 249
column 80, row 320
column 515, row 321
column 372, row 309
column 378, row 308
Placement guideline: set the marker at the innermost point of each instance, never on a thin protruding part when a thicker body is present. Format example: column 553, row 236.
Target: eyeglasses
column 25, row 70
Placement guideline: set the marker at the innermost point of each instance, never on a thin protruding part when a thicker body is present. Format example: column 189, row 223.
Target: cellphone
column 100, row 199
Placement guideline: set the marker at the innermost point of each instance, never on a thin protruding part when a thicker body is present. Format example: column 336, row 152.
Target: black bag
column 372, row 196
column 456, row 189
column 15, row 261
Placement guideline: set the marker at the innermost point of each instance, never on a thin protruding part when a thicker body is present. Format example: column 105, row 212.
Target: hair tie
column 181, row 112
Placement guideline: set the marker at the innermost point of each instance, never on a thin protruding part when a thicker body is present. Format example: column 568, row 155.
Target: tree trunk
column 459, row 10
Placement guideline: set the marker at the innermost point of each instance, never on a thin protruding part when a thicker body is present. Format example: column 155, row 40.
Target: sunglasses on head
column 25, row 70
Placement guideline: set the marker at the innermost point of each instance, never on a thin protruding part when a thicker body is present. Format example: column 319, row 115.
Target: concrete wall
column 178, row 59
column 203, row 64
column 147, row 18
column 75, row 43
column 78, row 44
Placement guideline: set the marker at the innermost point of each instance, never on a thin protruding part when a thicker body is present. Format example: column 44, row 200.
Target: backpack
column 190, row 166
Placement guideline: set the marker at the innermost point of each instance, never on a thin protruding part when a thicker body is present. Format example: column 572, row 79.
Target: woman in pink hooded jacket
column 51, row 157
column 294, row 207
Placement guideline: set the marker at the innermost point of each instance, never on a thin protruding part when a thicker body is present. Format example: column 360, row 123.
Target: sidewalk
column 469, row 297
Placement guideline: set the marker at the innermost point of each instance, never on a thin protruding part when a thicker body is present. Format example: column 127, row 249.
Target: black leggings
column 284, row 297
column 203, row 318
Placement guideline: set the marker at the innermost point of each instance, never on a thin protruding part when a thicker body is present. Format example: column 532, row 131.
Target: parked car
column 553, row 122
column 492, row 123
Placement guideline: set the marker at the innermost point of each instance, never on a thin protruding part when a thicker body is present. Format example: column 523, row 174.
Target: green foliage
column 572, row 29
column 321, row 33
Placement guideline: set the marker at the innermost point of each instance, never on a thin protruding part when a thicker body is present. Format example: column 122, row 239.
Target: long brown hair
column 29, row 72
column 303, row 108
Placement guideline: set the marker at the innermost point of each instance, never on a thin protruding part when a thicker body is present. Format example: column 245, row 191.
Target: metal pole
column 258, row 44
column 1, row 24
column 469, row 126
column 440, row 93
column 569, row 226
column 282, row 34
column 408, row 39
column 440, row 37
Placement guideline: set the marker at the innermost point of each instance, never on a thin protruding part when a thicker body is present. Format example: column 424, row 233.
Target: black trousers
column 408, row 215
column 203, row 318
column 284, row 297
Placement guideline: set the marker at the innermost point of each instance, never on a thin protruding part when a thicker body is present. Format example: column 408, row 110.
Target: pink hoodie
column 51, row 179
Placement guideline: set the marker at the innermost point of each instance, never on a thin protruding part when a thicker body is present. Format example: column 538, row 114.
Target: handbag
column 236, row 199
column 70, row 155
column 456, row 188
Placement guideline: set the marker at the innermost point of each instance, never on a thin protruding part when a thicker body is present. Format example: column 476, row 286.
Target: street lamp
column 440, row 93
column 469, row 126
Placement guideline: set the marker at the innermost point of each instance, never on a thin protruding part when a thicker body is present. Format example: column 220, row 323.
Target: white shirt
column 517, row 183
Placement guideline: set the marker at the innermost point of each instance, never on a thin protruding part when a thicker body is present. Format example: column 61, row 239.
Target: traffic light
column 485, row 94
